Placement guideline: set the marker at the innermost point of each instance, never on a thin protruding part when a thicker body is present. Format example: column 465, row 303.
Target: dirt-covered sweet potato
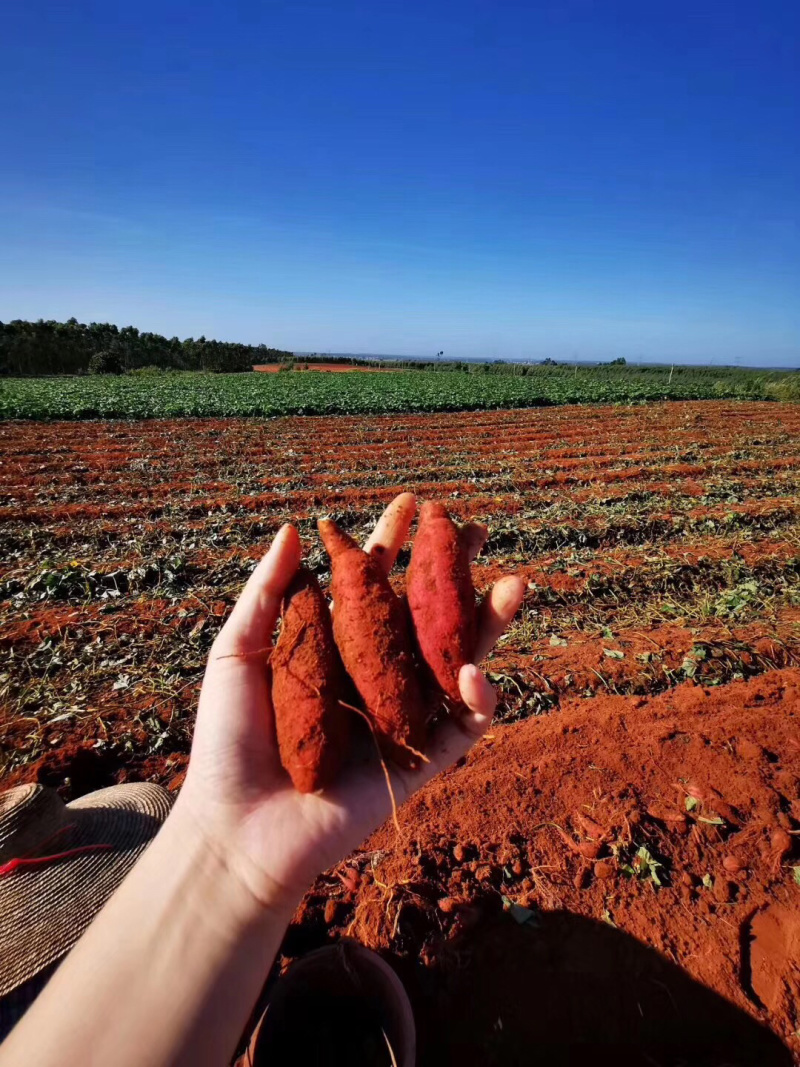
column 441, row 598
column 308, row 683
column 372, row 633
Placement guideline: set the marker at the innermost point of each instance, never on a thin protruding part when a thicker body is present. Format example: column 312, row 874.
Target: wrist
column 170, row 969
column 225, row 874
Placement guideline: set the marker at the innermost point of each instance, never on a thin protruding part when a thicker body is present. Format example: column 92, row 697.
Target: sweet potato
column 442, row 599
column 308, row 681
column 371, row 629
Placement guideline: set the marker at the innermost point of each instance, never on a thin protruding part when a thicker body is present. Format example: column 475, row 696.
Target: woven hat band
column 30, row 816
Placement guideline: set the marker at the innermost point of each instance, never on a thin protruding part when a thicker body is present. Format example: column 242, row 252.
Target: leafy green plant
column 643, row 866
column 254, row 394
column 732, row 602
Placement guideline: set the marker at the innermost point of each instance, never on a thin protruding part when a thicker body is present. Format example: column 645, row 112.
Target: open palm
column 275, row 838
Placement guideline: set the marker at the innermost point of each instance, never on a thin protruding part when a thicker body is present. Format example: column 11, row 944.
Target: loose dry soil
column 613, row 875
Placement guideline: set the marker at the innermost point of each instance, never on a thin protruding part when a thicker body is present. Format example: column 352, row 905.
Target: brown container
column 340, row 1004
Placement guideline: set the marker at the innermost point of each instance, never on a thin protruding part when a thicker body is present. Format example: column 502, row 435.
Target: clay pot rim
column 350, row 952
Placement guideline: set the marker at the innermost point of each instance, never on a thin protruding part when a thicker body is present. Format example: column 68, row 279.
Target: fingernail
column 276, row 548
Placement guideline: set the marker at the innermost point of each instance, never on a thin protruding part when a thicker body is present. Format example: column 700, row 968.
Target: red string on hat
column 37, row 861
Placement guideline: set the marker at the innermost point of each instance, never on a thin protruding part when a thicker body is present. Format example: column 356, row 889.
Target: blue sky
column 572, row 179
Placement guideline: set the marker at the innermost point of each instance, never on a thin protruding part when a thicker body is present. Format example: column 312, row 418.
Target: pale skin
column 169, row 970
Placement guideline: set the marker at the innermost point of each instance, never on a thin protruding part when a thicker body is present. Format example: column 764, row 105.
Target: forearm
column 166, row 974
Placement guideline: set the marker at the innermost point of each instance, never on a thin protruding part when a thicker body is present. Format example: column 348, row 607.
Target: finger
column 473, row 536
column 255, row 613
column 455, row 737
column 479, row 696
column 390, row 534
column 449, row 743
column 497, row 610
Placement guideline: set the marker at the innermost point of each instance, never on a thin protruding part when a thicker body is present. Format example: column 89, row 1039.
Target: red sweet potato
column 442, row 599
column 308, row 681
column 371, row 629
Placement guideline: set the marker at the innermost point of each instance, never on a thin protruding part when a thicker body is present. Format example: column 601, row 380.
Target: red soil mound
column 578, row 816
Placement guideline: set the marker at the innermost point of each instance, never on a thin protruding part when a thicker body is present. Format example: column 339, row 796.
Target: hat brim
column 45, row 908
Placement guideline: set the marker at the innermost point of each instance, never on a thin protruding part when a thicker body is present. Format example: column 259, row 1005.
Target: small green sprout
column 644, row 866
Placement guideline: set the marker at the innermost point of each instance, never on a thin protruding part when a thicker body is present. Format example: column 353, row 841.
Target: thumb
column 255, row 613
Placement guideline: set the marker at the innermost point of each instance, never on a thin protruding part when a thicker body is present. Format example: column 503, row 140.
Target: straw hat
column 59, row 863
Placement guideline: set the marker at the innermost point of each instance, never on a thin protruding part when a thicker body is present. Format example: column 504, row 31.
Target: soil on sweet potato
column 312, row 724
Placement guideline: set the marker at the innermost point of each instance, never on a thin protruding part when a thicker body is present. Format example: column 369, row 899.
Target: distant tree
column 48, row 347
column 107, row 361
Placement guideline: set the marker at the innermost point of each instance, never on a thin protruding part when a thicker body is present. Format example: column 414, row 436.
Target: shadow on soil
column 570, row 990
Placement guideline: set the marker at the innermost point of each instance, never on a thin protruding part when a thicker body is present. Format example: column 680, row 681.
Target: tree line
column 72, row 347
column 461, row 366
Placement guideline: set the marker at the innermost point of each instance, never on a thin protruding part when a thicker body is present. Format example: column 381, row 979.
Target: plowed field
column 617, row 865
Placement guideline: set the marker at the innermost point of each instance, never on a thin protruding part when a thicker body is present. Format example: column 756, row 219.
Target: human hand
column 273, row 838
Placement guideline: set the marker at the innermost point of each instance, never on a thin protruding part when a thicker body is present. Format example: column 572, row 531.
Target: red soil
column 549, row 813
column 600, row 509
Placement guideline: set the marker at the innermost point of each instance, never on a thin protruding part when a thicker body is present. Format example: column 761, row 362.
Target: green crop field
column 311, row 392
